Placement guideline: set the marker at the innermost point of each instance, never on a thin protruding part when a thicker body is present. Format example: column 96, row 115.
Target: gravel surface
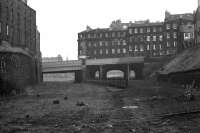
column 84, row 108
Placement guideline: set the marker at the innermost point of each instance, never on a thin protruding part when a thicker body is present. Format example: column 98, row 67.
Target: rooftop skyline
column 59, row 23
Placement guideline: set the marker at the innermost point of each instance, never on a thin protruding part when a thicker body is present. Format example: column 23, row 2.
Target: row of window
column 148, row 47
column 122, row 42
column 174, row 35
column 124, row 51
column 101, row 35
column 137, row 48
column 160, row 53
column 145, row 30
column 146, row 38
column 136, row 39
column 153, row 38
column 106, row 43
column 113, row 51
column 174, row 25
column 168, row 26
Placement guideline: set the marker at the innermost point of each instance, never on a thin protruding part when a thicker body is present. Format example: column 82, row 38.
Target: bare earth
column 85, row 108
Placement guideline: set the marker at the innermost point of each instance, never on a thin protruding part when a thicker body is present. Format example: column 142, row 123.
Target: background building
column 52, row 59
column 146, row 39
column 103, row 43
column 179, row 32
column 141, row 38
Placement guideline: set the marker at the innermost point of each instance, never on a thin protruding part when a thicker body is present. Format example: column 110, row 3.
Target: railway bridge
column 97, row 69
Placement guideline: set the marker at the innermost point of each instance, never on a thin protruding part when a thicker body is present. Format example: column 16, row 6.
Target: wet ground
column 144, row 107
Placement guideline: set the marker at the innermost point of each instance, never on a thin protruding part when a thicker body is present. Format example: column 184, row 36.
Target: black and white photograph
column 100, row 66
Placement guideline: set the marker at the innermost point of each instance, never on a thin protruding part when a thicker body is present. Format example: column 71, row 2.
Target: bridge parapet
column 108, row 61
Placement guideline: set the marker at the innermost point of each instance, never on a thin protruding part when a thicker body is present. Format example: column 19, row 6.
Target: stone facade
column 18, row 24
column 141, row 38
column 20, row 56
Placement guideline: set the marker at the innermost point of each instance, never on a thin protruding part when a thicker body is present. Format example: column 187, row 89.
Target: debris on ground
column 80, row 103
column 38, row 95
column 109, row 125
column 27, row 116
column 65, row 98
column 132, row 130
column 189, row 91
column 56, row 102
column 113, row 89
column 109, row 111
column 130, row 107
column 156, row 98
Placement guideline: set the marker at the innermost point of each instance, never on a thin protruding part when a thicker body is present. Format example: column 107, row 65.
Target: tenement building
column 19, row 46
column 141, row 38
column 146, row 39
column 104, row 43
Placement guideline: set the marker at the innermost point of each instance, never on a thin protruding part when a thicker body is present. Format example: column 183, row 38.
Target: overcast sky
column 59, row 21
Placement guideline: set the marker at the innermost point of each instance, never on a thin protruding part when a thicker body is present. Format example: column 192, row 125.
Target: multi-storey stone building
column 20, row 63
column 179, row 32
column 18, row 24
column 146, row 39
column 103, row 43
column 142, row 38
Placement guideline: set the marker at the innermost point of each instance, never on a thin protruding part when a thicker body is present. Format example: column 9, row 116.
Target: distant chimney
column 88, row 28
column 167, row 14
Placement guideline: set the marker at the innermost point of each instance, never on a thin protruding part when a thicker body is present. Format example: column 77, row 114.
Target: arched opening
column 132, row 75
column 115, row 74
column 97, row 75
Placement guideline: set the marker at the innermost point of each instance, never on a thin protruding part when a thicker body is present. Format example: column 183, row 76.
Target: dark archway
column 137, row 69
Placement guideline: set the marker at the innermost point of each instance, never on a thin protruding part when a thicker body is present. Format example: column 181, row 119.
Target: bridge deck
column 109, row 61
column 75, row 65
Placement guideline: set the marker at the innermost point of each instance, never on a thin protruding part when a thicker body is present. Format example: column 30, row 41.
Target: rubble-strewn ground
column 85, row 108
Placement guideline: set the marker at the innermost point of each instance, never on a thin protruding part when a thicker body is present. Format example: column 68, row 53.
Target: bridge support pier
column 79, row 76
column 127, row 75
column 101, row 73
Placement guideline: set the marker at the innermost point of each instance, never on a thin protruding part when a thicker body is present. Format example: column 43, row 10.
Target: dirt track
column 99, row 110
